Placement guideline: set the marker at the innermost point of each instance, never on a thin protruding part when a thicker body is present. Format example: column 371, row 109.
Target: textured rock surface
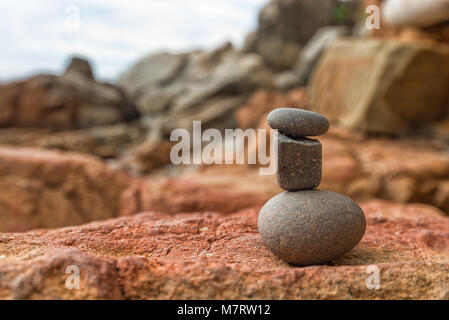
column 207, row 255
column 311, row 226
column 41, row 189
column 299, row 163
column 399, row 85
column 295, row 122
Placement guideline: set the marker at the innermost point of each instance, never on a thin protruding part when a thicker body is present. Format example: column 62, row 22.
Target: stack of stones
column 304, row 225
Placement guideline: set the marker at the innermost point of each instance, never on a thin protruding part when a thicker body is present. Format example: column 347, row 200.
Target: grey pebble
column 311, row 227
column 298, row 122
column 299, row 163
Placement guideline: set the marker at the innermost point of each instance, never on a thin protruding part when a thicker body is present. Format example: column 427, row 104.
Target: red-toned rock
column 406, row 170
column 214, row 256
column 70, row 101
column 42, row 189
column 148, row 156
column 187, row 194
column 103, row 141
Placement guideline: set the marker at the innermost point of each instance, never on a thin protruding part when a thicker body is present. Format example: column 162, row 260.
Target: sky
column 39, row 36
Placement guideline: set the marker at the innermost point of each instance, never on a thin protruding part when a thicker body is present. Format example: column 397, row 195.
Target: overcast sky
column 39, row 35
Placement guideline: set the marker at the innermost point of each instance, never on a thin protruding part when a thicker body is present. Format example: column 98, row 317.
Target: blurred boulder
column 146, row 80
column 312, row 51
column 71, row 101
column 416, row 13
column 286, row 80
column 80, row 66
column 103, row 141
column 381, row 86
column 215, row 113
column 438, row 33
column 204, row 85
column 285, row 26
column 308, row 58
column 401, row 170
column 148, row 156
column 44, row 189
column 191, row 194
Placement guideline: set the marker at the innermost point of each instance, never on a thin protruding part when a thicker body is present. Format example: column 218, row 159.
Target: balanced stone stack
column 304, row 225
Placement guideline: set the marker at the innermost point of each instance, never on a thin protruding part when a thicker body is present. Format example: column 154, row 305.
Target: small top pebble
column 298, row 122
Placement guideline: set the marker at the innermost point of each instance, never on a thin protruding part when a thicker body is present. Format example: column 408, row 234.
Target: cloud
column 114, row 34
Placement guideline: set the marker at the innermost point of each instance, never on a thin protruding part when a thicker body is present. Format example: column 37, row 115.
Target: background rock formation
column 204, row 86
column 285, row 26
column 45, row 189
column 399, row 85
column 73, row 100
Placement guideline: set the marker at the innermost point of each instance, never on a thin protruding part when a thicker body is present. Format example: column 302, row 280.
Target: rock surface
column 402, row 170
column 103, row 141
column 198, row 85
column 415, row 12
column 294, row 122
column 214, row 256
column 194, row 193
column 308, row 58
column 43, row 189
column 311, row 226
column 399, row 85
column 285, row 26
column 148, row 156
column 81, row 67
column 71, row 101
column 299, row 163
column 312, row 51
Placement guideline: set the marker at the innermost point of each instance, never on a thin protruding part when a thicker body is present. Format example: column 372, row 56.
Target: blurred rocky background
column 75, row 149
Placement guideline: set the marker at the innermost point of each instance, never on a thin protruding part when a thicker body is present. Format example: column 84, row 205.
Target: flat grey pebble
column 298, row 122
column 311, row 226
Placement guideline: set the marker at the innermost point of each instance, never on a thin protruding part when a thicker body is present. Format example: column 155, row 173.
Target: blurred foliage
column 346, row 12
column 341, row 13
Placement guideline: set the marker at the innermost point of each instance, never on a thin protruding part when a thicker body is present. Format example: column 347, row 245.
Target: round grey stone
column 311, row 226
column 297, row 122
